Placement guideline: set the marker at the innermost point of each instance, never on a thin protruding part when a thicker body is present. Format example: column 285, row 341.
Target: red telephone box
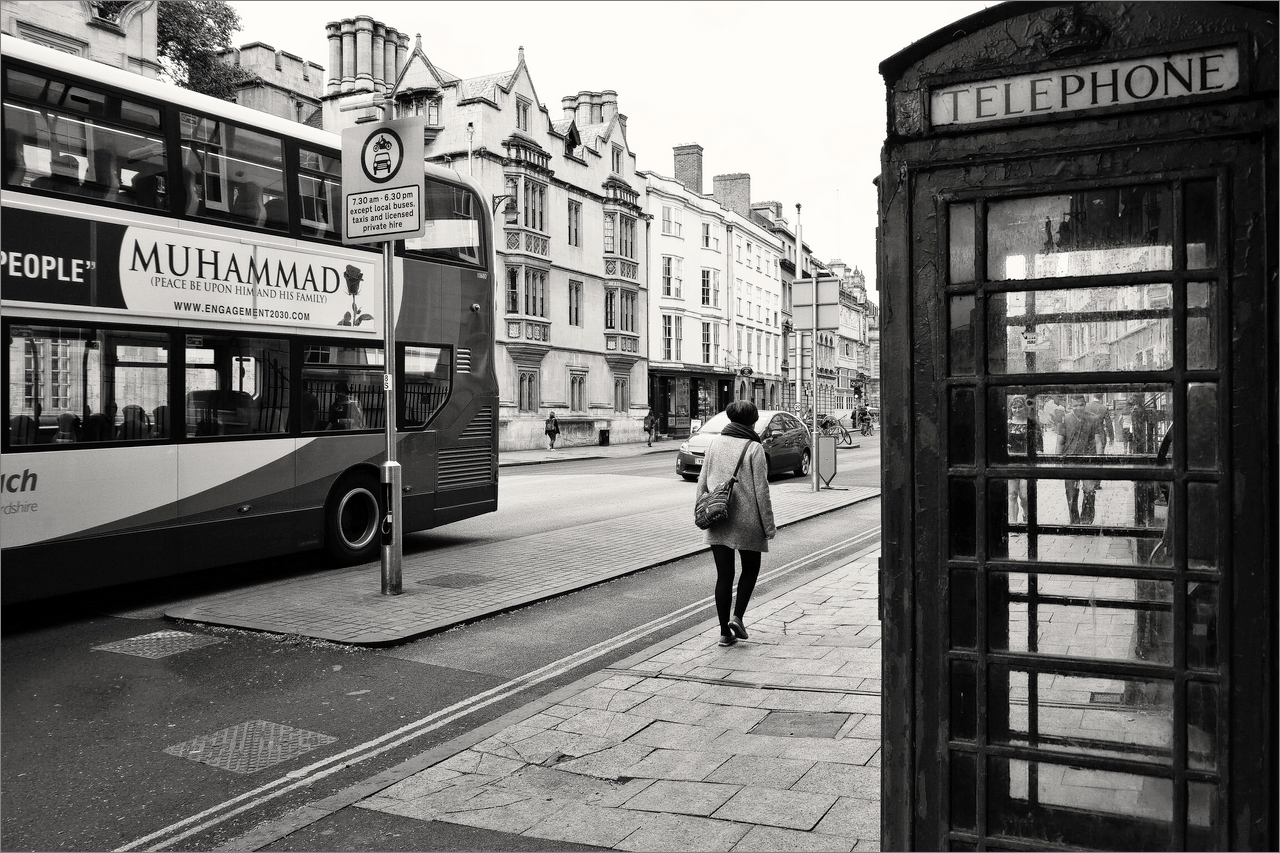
column 1077, row 260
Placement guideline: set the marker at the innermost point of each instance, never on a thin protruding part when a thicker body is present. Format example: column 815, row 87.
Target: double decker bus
column 194, row 362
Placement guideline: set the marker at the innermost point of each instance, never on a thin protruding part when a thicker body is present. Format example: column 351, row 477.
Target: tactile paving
column 158, row 644
column 250, row 747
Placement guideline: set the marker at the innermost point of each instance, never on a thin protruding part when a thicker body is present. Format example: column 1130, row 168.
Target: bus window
column 236, row 386
column 70, row 385
column 342, row 387
column 424, row 384
column 74, row 140
column 319, row 189
column 452, row 227
column 235, row 173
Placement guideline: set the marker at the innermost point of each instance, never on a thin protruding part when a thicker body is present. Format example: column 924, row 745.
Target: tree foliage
column 190, row 34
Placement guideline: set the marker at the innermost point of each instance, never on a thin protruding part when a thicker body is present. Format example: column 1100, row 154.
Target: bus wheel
column 352, row 520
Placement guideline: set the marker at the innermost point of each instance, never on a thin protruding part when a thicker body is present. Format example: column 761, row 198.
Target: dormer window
column 421, row 105
column 524, row 111
column 617, row 159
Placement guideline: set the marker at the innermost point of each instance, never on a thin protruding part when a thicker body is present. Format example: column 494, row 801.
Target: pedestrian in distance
column 1082, row 435
column 749, row 526
column 552, row 429
column 650, row 426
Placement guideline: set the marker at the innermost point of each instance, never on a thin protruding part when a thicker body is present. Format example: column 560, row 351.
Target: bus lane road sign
column 382, row 181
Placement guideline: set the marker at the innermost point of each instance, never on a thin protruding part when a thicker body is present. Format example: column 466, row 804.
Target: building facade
column 120, row 34
column 283, row 85
column 716, row 305
column 856, row 369
column 572, row 296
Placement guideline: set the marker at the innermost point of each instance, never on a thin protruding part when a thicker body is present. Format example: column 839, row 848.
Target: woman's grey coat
column 749, row 526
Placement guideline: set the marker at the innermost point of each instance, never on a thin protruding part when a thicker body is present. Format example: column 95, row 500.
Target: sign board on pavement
column 382, row 181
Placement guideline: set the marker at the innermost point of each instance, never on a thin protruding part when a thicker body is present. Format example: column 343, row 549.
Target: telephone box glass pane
column 1079, row 806
column 961, row 427
column 1095, row 232
column 1126, row 422
column 1202, row 324
column 1098, row 618
column 1202, row 626
column 962, row 229
column 1201, row 200
column 1083, row 522
column 1085, row 715
column 1083, row 329
column 962, row 335
column 1202, row 426
column 1202, row 725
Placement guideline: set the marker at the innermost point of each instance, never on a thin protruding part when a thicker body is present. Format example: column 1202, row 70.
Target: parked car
column 785, row 440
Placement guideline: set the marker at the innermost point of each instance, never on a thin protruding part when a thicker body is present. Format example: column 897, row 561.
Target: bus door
column 1079, row 410
column 235, row 393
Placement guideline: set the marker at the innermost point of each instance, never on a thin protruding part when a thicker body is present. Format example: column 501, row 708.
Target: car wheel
column 803, row 468
column 353, row 519
column 690, row 477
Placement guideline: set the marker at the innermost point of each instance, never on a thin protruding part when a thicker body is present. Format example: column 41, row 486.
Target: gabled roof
column 568, row 129
column 485, row 88
column 420, row 73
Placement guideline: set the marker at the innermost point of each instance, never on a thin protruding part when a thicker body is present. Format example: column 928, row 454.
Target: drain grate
column 158, row 645
column 457, row 580
column 1105, row 698
column 800, row 724
column 250, row 747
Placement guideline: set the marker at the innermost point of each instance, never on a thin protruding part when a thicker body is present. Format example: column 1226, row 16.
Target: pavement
column 770, row 744
column 443, row 589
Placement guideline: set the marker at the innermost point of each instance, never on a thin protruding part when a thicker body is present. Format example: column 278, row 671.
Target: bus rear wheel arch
column 353, row 519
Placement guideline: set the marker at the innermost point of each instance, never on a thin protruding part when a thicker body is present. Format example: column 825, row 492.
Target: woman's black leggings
column 724, row 582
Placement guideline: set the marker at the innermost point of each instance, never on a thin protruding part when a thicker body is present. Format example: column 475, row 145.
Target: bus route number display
column 382, row 181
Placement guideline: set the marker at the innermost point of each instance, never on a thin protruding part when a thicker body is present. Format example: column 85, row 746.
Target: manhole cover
column 457, row 580
column 158, row 645
column 800, row 724
column 250, row 747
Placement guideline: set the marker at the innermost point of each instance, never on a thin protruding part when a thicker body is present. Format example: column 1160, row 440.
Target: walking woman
column 552, row 429
column 749, row 526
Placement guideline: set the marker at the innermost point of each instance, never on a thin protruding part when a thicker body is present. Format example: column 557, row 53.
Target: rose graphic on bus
column 354, row 317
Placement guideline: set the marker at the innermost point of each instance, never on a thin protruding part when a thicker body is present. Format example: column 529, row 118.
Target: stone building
column 716, row 306
column 572, row 295
column 856, row 370
column 119, row 34
column 283, row 85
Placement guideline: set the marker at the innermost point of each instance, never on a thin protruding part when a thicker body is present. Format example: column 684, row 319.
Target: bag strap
column 741, row 456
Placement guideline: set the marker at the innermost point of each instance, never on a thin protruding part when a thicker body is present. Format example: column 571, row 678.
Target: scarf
column 736, row 430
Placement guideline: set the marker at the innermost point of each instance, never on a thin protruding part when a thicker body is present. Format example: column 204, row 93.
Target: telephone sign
column 382, row 181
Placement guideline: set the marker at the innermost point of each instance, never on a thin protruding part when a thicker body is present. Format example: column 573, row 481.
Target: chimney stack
column 734, row 192
column 689, row 167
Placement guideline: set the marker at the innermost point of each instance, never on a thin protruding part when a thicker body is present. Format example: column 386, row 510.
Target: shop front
column 683, row 400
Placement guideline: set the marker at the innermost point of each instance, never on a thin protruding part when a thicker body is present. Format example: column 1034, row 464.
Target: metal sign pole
column 392, row 533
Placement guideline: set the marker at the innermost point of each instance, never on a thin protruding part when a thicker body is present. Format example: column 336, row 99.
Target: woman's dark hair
column 742, row 412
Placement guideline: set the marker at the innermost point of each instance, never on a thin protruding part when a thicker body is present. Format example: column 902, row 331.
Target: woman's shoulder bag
column 713, row 507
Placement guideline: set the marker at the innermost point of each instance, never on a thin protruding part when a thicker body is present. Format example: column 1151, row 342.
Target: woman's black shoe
column 735, row 625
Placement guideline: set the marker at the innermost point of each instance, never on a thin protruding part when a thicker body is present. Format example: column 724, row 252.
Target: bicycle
column 867, row 427
column 834, row 427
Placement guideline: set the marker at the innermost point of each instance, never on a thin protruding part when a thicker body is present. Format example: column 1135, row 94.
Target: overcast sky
column 788, row 92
